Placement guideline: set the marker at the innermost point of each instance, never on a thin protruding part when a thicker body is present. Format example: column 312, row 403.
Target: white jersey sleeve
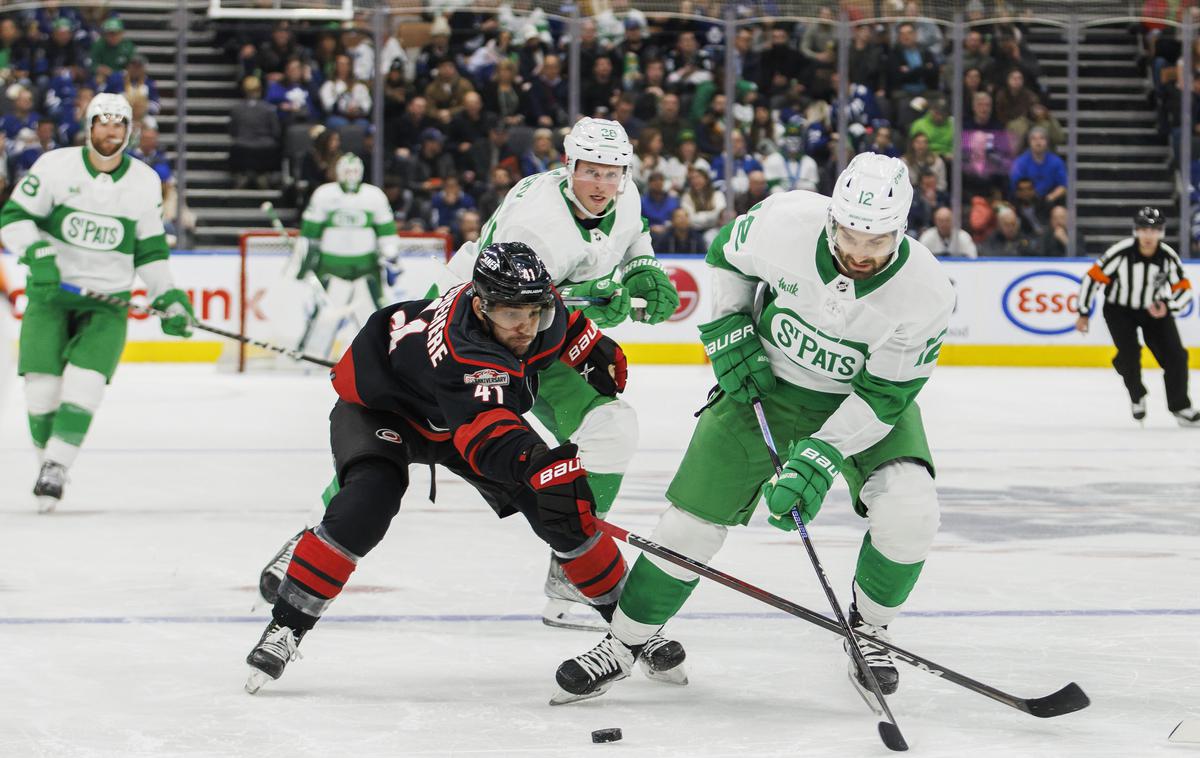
column 30, row 202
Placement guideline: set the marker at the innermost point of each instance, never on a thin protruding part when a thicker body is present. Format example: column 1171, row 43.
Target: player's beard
column 859, row 274
column 116, row 150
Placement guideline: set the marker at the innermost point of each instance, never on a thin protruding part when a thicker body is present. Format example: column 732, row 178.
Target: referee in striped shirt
column 1144, row 288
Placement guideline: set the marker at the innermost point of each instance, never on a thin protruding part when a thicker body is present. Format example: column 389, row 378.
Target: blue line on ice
column 525, row 617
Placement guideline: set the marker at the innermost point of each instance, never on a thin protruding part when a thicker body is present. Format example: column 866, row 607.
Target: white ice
column 1068, row 552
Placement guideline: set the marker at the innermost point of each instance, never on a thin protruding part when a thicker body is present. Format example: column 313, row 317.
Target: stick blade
column 891, row 736
column 1067, row 700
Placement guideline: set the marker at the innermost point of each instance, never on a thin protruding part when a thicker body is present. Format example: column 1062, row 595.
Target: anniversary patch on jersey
column 808, row 348
column 487, row 377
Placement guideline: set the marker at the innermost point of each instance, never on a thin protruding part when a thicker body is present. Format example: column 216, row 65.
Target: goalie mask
column 510, row 273
column 872, row 198
column 109, row 107
column 349, row 172
column 601, row 141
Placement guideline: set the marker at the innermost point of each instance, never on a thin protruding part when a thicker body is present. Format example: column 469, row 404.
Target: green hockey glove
column 44, row 278
column 742, row 367
column 178, row 321
column 311, row 257
column 811, row 467
column 607, row 314
column 645, row 277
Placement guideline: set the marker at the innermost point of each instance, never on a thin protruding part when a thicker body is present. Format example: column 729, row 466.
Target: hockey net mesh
column 274, row 306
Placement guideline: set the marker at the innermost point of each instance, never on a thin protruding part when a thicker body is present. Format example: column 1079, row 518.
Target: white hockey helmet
column 349, row 172
column 872, row 195
column 597, row 140
column 108, row 106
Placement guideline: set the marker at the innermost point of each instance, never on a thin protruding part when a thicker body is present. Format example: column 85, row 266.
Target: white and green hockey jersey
column 102, row 226
column 537, row 212
column 875, row 340
column 350, row 228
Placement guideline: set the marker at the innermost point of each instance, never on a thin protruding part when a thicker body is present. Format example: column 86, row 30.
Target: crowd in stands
column 53, row 60
column 1163, row 63
column 483, row 101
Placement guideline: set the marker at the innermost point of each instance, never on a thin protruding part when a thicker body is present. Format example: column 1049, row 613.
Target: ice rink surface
column 1069, row 551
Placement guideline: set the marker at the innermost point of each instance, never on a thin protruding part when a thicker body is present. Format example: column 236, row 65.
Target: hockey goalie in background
column 348, row 230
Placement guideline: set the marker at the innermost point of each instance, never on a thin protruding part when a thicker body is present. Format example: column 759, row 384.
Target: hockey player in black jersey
column 445, row 382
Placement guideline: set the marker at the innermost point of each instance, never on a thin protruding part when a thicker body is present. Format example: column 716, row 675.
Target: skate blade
column 562, row 697
column 562, row 613
column 676, row 675
column 45, row 504
column 866, row 694
column 256, row 680
column 578, row 623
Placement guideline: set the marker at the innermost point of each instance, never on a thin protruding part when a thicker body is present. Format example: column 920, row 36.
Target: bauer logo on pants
column 387, row 435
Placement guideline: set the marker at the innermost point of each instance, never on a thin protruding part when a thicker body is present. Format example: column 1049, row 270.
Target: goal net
column 275, row 306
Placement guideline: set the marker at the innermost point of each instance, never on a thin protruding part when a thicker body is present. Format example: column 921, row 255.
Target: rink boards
column 1009, row 313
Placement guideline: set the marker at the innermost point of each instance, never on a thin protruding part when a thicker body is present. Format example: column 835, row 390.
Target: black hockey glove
column 565, row 502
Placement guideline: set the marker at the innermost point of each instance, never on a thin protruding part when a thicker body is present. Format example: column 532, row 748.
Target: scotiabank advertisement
column 1009, row 312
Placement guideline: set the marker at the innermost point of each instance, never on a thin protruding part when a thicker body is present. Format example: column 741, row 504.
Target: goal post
column 273, row 304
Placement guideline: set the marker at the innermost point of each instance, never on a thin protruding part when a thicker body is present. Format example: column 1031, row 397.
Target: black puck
column 606, row 735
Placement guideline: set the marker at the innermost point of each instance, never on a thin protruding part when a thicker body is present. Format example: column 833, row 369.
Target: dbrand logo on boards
column 689, row 292
column 1042, row 302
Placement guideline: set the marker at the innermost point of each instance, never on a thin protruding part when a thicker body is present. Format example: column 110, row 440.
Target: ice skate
column 878, row 659
column 277, row 646
column 1138, row 409
column 567, row 607
column 661, row 660
column 273, row 573
column 48, row 490
column 591, row 674
column 1188, row 417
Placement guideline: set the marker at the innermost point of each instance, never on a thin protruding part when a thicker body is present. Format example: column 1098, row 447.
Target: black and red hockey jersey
column 433, row 363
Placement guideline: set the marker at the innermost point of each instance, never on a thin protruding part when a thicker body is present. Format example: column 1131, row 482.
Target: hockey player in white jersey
column 92, row 217
column 584, row 221
column 347, row 231
column 852, row 317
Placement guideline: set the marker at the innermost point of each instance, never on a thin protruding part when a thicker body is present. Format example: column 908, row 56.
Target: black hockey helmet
column 1148, row 217
column 510, row 273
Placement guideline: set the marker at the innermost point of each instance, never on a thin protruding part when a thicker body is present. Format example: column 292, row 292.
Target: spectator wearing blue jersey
column 23, row 116
column 44, row 144
column 1047, row 170
column 294, row 96
column 60, row 54
column 448, row 204
column 133, row 82
column 148, row 151
column 70, row 117
column 657, row 203
column 743, row 164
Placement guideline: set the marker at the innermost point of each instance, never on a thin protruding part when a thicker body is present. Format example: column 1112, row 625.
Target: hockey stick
column 295, row 355
column 1066, row 700
column 889, row 731
column 1186, row 731
column 634, row 302
column 309, row 277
